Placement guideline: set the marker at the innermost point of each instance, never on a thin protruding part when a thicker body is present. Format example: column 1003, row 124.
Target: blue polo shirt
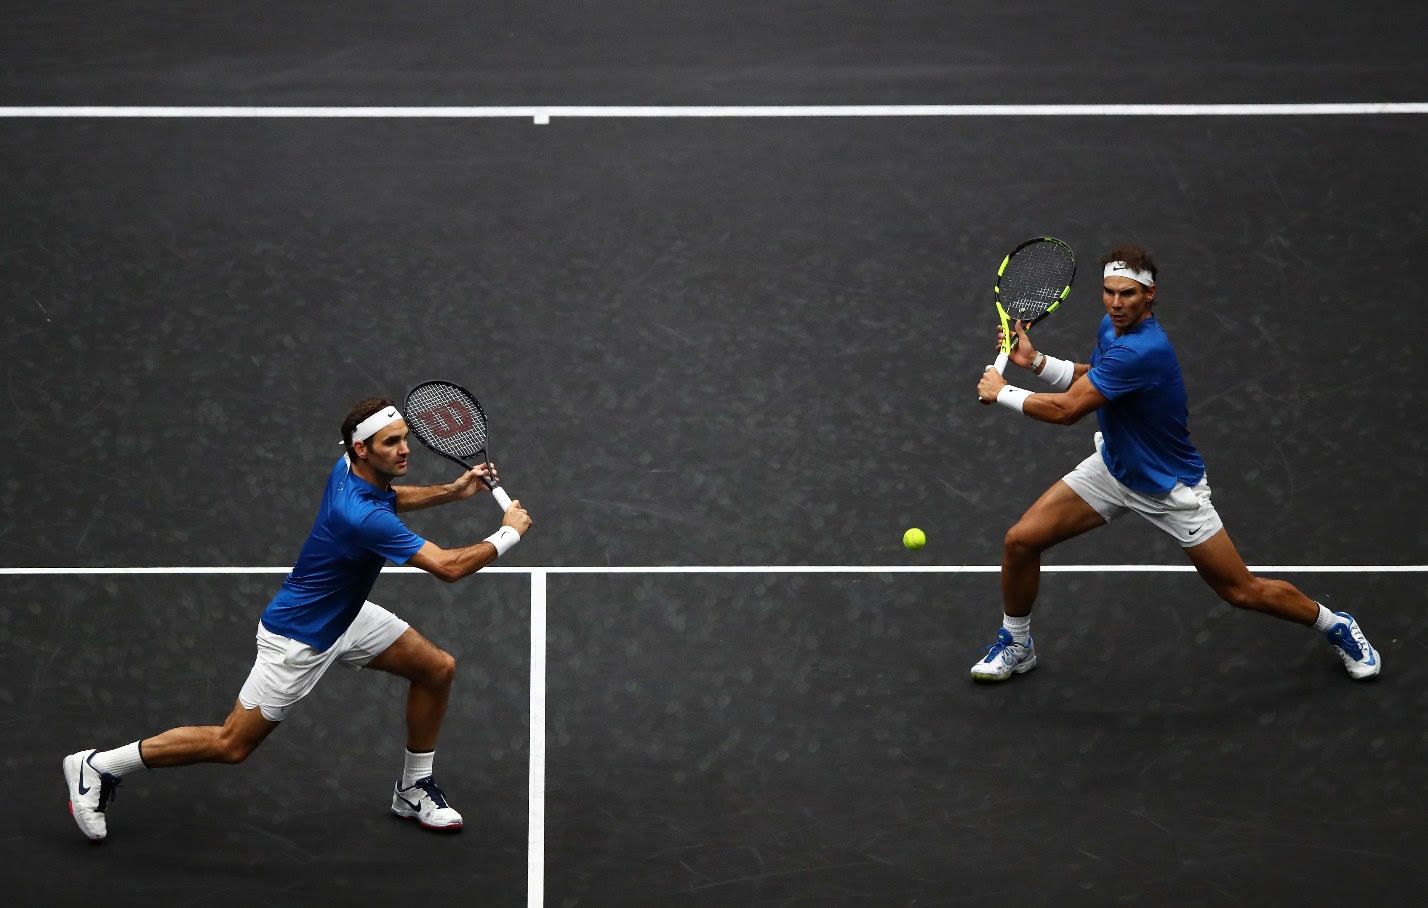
column 1145, row 426
column 356, row 531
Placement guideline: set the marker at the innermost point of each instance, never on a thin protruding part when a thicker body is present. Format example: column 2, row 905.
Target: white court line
column 535, row 800
column 544, row 114
column 768, row 569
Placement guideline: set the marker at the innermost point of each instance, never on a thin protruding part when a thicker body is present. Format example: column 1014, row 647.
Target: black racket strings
column 447, row 420
column 1035, row 278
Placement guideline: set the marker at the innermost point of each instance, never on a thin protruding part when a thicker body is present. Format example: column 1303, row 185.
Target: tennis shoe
column 1005, row 658
column 425, row 803
column 1360, row 658
column 90, row 792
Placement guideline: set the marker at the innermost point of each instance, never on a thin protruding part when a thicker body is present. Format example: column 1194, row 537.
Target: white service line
column 544, row 114
column 766, row 569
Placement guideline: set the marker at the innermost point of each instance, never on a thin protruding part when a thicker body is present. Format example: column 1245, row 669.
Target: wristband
column 1013, row 397
column 504, row 539
column 1058, row 373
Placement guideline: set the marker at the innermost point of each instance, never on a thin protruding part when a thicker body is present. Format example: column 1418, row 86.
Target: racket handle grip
column 501, row 497
column 1001, row 364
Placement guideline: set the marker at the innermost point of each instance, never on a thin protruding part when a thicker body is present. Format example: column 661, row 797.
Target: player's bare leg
column 232, row 742
column 1058, row 515
column 1219, row 563
column 430, row 671
column 93, row 776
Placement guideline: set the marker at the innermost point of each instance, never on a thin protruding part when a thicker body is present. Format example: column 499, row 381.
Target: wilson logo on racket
column 448, row 420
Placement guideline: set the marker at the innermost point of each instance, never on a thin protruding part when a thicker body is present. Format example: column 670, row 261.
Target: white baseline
column 545, row 113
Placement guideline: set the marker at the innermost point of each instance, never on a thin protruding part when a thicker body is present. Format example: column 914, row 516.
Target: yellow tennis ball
column 914, row 538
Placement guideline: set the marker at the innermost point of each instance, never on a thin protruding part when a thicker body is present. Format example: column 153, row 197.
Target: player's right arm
column 1060, row 407
column 451, row 565
column 1067, row 407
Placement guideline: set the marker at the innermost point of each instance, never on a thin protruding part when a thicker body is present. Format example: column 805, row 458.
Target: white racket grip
column 1001, row 364
column 502, row 498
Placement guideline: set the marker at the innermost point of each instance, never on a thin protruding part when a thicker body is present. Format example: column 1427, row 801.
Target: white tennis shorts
column 1186, row 512
column 287, row 670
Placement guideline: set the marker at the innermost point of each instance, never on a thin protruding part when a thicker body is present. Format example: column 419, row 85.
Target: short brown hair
column 360, row 411
column 1134, row 256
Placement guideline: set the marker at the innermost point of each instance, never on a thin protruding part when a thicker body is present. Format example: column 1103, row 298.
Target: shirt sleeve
column 382, row 532
column 1121, row 370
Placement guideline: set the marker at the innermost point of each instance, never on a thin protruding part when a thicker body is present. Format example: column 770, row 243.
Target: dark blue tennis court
column 714, row 343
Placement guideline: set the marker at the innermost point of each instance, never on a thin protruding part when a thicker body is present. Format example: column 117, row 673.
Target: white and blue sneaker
column 425, row 803
column 90, row 792
column 1360, row 658
column 1005, row 658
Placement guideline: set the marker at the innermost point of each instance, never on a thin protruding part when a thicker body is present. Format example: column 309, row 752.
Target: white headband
column 1121, row 269
column 374, row 423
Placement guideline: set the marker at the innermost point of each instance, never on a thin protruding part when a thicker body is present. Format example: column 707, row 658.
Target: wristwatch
column 1037, row 361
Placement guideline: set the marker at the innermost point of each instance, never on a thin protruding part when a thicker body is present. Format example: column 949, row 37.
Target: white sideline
column 535, row 800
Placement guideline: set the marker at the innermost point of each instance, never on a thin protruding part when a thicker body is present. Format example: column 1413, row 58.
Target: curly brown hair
column 1135, row 256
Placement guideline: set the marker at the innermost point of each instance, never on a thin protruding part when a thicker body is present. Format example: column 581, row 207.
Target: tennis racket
column 448, row 419
column 1031, row 283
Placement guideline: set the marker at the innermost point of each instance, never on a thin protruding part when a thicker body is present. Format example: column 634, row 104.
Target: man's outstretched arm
column 1062, row 408
column 414, row 498
column 453, row 564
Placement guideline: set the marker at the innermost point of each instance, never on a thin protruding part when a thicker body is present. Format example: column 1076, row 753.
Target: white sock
column 1326, row 619
column 120, row 761
column 417, row 767
column 1019, row 628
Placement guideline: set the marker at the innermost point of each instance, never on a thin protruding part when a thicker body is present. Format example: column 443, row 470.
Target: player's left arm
column 1059, row 407
column 1065, row 407
column 414, row 498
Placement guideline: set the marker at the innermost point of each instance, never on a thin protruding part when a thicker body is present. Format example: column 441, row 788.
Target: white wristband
column 504, row 539
column 1013, row 397
column 1058, row 373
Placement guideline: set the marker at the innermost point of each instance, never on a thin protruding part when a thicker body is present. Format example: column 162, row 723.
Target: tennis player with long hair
column 320, row 616
column 1144, row 462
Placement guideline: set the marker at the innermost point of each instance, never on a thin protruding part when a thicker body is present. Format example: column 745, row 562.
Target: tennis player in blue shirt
column 1144, row 463
column 321, row 617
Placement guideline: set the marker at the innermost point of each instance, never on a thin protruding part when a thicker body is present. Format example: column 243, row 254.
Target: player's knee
column 1019, row 540
column 1241, row 595
column 443, row 668
column 233, row 749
